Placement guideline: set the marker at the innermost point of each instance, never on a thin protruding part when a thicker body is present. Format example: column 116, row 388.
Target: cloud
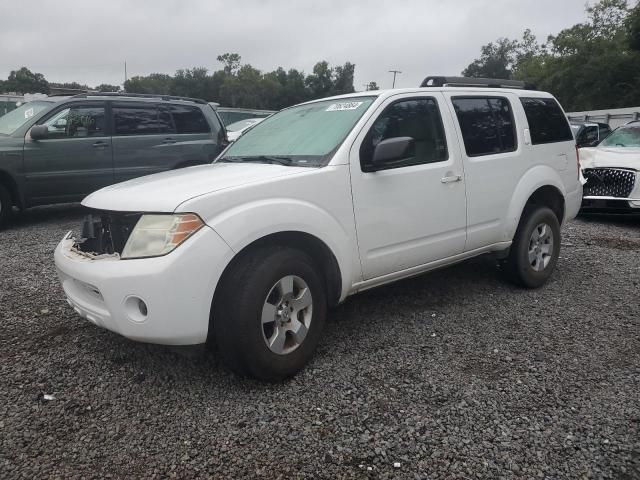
column 88, row 41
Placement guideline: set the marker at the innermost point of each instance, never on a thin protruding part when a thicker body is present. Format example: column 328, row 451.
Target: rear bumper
column 165, row 300
column 572, row 201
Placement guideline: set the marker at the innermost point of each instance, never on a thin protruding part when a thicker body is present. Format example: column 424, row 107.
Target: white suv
column 318, row 202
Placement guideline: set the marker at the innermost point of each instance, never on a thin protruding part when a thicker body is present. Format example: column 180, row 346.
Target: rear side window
column 547, row 122
column 189, row 119
column 487, row 125
column 137, row 120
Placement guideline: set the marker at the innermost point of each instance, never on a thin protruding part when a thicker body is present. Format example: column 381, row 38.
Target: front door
column 75, row 159
column 413, row 211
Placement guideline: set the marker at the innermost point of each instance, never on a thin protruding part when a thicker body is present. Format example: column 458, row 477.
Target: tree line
column 25, row 81
column 243, row 86
column 234, row 85
column 589, row 66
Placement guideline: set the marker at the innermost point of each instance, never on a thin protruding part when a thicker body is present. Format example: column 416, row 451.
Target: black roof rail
column 438, row 81
column 140, row 95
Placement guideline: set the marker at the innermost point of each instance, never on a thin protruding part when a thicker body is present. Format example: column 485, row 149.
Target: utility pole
column 125, row 74
column 395, row 72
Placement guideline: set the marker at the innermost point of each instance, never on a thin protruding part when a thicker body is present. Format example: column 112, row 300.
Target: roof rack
column 140, row 95
column 438, row 81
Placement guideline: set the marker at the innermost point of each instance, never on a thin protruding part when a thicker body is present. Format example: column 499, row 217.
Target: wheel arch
column 540, row 186
column 317, row 249
column 10, row 183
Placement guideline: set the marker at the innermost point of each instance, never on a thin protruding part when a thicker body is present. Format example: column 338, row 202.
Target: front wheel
column 269, row 313
column 535, row 249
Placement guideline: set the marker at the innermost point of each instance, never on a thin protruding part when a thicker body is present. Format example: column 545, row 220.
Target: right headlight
column 158, row 234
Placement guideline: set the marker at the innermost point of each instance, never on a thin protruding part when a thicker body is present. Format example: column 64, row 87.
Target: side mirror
column 390, row 150
column 39, row 132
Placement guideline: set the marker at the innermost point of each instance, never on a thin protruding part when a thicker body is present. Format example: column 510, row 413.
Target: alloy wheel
column 286, row 315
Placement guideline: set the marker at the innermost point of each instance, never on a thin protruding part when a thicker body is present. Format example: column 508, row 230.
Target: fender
column 244, row 224
column 532, row 180
column 15, row 188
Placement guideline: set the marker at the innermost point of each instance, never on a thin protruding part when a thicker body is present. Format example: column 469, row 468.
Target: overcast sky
column 89, row 41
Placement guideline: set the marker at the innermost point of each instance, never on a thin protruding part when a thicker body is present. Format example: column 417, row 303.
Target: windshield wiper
column 273, row 159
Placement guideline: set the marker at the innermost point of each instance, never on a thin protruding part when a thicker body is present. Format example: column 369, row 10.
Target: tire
column 535, row 249
column 6, row 206
column 262, row 327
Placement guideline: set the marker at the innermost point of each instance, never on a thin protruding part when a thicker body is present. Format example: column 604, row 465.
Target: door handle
column 100, row 145
column 451, row 179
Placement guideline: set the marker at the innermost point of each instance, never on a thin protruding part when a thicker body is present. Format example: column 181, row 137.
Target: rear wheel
column 6, row 205
column 270, row 313
column 535, row 249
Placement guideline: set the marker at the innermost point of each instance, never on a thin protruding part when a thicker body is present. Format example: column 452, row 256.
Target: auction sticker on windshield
column 338, row 107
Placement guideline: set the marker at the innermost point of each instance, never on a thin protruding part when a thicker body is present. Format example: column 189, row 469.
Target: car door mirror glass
column 391, row 150
column 39, row 132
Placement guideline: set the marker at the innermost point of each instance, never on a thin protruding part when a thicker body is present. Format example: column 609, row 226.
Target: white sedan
column 611, row 172
column 238, row 128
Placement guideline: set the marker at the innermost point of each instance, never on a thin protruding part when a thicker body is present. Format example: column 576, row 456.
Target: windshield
column 305, row 135
column 628, row 136
column 13, row 120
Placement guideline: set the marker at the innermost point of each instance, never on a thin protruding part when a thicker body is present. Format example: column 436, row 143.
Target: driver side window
column 77, row 121
column 418, row 118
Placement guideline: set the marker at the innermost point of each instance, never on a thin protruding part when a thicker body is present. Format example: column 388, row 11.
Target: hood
column 616, row 157
column 163, row 192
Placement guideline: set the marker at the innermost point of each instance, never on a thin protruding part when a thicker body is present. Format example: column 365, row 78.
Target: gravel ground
column 455, row 374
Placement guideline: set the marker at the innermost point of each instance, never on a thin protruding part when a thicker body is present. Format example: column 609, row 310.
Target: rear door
column 493, row 161
column 76, row 158
column 198, row 140
column 144, row 140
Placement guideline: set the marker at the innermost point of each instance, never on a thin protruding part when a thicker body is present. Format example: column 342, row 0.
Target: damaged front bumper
column 611, row 190
column 165, row 300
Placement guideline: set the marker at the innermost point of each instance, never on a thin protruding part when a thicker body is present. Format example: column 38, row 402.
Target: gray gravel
column 455, row 374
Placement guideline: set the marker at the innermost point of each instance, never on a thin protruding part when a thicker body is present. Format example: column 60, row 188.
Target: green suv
column 59, row 150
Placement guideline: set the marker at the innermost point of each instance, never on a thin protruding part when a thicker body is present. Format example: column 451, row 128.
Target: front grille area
column 609, row 182
column 106, row 232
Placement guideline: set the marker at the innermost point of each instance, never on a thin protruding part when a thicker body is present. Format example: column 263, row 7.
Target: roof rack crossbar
column 439, row 81
column 140, row 95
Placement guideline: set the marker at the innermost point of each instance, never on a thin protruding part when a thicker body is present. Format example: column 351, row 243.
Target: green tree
column 293, row 89
column 194, row 82
column 496, row 60
column 591, row 65
column 155, row 83
column 373, row 86
column 320, row 82
column 26, row 81
column 231, row 62
column 343, row 79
